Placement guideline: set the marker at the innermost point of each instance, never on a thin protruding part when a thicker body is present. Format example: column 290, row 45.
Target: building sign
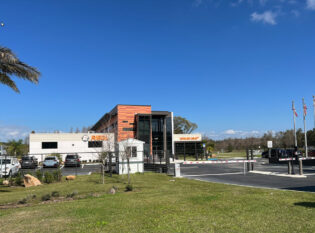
column 85, row 138
column 189, row 138
column 98, row 138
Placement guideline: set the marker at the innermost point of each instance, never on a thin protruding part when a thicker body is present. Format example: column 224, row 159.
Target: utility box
column 132, row 149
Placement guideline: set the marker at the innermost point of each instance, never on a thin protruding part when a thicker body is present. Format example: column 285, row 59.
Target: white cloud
column 310, row 4
column 268, row 17
column 12, row 132
column 229, row 132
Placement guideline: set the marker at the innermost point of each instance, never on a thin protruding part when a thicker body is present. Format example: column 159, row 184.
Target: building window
column 128, row 129
column 95, row 144
column 49, row 145
column 125, row 121
column 131, row 151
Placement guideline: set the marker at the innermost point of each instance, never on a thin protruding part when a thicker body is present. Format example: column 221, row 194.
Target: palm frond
column 5, row 79
column 11, row 65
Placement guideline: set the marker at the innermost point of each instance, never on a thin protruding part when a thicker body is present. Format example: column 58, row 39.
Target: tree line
column 281, row 139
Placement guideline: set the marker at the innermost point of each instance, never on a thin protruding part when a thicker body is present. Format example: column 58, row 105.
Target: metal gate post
column 252, row 158
column 247, row 156
column 244, row 169
column 289, row 167
column 301, row 166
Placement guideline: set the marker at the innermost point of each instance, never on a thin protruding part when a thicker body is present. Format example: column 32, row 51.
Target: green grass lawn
column 232, row 154
column 159, row 203
column 226, row 155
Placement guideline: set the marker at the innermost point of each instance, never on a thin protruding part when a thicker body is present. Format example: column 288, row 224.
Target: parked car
column 9, row 166
column 72, row 160
column 29, row 162
column 51, row 161
column 277, row 153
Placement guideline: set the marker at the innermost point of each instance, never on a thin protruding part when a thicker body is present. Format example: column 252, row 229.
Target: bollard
column 177, row 169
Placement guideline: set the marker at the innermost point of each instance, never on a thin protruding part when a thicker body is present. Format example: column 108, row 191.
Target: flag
column 295, row 113
column 304, row 108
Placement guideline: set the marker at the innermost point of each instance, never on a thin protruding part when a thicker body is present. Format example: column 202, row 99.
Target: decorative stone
column 5, row 182
column 30, row 181
column 112, row 191
column 70, row 177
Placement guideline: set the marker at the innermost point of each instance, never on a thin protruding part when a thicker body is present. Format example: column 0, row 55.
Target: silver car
column 51, row 161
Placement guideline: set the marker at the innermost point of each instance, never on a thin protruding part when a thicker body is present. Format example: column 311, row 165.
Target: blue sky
column 233, row 67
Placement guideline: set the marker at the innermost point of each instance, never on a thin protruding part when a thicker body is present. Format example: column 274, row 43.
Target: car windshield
column 50, row 158
column 5, row 161
column 71, row 157
column 26, row 158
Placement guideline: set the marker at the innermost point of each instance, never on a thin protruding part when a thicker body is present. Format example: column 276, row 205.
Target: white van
column 9, row 166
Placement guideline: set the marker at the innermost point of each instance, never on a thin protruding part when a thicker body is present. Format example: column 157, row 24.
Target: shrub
column 129, row 188
column 57, row 175
column 23, row 201
column 19, row 179
column 48, row 177
column 1, row 181
column 39, row 175
column 55, row 194
column 46, row 197
column 72, row 194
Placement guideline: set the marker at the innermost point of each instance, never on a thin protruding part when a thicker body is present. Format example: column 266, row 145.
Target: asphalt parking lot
column 234, row 174
column 84, row 169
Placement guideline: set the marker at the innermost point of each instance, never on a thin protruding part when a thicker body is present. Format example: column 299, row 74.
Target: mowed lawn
column 159, row 203
column 241, row 153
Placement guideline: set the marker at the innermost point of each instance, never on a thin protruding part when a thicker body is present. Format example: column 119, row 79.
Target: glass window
column 131, row 151
column 95, row 144
column 49, row 145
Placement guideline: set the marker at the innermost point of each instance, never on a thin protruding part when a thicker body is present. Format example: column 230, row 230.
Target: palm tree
column 10, row 65
column 16, row 148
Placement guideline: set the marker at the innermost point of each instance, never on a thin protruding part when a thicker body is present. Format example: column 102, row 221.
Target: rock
column 5, row 182
column 70, row 177
column 30, row 181
column 112, row 191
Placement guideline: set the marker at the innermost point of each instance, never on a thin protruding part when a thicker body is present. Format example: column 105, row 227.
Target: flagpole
column 295, row 141
column 304, row 115
column 314, row 109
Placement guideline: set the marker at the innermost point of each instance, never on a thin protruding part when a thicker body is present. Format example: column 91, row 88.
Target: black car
column 72, row 161
column 29, row 162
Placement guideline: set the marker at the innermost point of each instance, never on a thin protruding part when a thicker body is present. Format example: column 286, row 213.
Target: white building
column 89, row 146
column 86, row 145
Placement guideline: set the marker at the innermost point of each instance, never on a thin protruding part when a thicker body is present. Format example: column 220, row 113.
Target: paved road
column 233, row 174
